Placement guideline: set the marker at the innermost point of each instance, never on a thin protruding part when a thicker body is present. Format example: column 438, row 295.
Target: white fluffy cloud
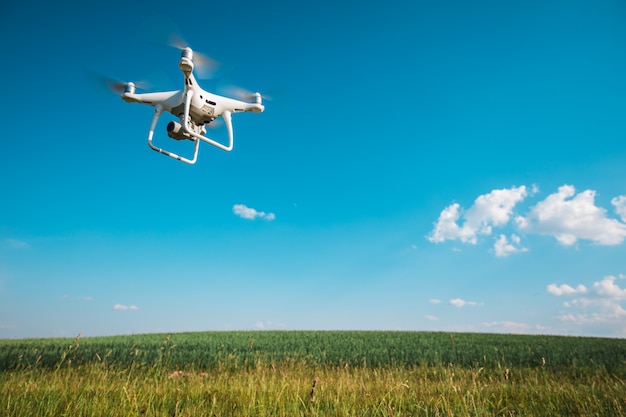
column 620, row 206
column 569, row 217
column 488, row 210
column 459, row 303
column 565, row 289
column 504, row 247
column 608, row 288
column 565, row 215
column 122, row 307
column 600, row 304
column 245, row 212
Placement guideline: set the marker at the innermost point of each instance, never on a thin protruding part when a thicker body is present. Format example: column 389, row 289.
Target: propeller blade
column 115, row 86
column 112, row 84
column 175, row 41
column 242, row 93
column 161, row 29
column 204, row 65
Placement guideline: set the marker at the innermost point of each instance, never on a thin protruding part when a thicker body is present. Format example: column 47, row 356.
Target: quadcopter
column 194, row 107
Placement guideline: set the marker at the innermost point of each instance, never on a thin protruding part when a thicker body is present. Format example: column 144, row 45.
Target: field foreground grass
column 243, row 374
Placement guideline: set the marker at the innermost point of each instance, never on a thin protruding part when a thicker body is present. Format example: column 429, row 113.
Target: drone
column 195, row 108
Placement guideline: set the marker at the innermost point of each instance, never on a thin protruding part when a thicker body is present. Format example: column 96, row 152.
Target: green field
column 313, row 373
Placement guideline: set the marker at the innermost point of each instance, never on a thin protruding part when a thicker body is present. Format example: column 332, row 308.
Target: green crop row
column 209, row 350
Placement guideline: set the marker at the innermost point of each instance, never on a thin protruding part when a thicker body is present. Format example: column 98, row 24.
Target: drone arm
column 157, row 113
column 226, row 115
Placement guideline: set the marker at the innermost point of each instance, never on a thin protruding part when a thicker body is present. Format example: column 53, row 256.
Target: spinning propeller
column 114, row 85
column 205, row 66
column 244, row 94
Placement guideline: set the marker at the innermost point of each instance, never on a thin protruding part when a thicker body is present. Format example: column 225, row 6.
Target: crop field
column 313, row 373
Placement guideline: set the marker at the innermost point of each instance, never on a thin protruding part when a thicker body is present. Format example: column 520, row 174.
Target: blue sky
column 449, row 165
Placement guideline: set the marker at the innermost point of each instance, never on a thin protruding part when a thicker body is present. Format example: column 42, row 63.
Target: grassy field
column 313, row 374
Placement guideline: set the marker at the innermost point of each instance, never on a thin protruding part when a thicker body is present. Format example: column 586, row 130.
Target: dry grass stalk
column 313, row 390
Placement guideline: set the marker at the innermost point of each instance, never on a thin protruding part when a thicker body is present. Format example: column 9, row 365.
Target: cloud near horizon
column 507, row 326
column 564, row 215
column 460, row 303
column 565, row 289
column 245, row 212
column 268, row 324
column 601, row 303
column 122, row 307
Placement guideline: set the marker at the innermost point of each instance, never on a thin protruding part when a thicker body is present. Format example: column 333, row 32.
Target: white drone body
column 194, row 107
